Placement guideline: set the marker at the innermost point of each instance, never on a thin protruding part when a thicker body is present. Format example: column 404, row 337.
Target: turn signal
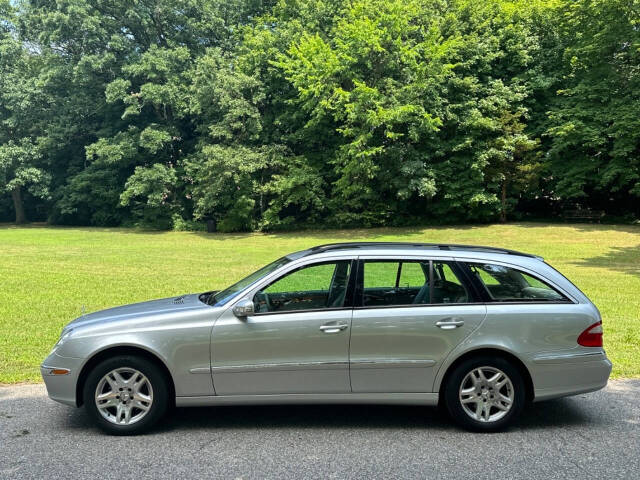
column 59, row 371
column 592, row 336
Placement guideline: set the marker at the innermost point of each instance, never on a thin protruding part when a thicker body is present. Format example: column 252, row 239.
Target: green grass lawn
column 47, row 274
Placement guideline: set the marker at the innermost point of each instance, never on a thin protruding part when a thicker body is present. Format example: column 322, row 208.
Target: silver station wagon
column 479, row 330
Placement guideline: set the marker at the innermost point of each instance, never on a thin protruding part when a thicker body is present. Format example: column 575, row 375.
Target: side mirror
column 243, row 308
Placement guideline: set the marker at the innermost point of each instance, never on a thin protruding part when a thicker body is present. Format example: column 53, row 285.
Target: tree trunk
column 18, row 204
column 503, row 211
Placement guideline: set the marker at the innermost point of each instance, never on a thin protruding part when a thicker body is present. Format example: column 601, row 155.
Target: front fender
column 181, row 344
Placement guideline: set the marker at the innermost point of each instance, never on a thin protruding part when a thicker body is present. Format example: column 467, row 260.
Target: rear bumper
column 571, row 376
column 61, row 388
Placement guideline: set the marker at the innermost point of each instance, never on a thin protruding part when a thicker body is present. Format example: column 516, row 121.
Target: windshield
column 229, row 293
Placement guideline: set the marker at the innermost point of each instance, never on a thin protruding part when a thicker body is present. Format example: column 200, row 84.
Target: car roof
column 407, row 248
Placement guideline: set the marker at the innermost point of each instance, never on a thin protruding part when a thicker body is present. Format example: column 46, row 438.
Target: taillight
column 592, row 336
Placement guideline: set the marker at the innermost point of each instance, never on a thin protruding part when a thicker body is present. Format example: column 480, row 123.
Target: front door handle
column 333, row 327
column 450, row 323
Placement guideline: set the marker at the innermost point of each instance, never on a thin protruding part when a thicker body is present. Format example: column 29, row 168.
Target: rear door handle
column 450, row 323
column 333, row 327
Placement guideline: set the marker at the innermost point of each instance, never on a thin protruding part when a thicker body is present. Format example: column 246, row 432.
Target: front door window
column 313, row 287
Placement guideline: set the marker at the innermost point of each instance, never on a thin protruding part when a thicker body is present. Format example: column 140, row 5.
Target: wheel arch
column 495, row 352
column 112, row 351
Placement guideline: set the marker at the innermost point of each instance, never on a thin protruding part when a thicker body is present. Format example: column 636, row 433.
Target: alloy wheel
column 124, row 396
column 486, row 394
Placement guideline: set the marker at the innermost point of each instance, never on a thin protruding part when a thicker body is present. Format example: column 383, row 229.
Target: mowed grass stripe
column 47, row 274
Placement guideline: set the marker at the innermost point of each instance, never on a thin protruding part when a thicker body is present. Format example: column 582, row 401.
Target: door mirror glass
column 243, row 308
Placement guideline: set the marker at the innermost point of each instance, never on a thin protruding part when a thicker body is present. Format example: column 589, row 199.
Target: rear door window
column 389, row 283
column 397, row 283
column 506, row 284
column 447, row 287
column 413, row 274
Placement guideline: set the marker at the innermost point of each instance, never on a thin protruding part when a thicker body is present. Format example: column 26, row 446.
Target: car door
column 408, row 315
column 296, row 342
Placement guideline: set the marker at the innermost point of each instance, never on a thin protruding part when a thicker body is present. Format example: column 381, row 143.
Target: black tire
column 452, row 394
column 156, row 378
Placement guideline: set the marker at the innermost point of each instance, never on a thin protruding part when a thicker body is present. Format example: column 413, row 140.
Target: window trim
column 348, row 297
column 419, row 305
column 354, row 295
column 398, row 273
column 486, row 296
column 430, row 282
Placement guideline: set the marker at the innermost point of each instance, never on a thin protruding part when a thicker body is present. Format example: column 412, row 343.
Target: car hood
column 135, row 310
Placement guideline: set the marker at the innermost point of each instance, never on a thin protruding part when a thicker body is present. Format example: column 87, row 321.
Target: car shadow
column 559, row 413
column 551, row 414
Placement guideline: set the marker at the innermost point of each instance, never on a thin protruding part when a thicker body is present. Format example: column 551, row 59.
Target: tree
column 510, row 158
column 594, row 124
column 266, row 114
column 418, row 93
column 18, row 171
column 20, row 159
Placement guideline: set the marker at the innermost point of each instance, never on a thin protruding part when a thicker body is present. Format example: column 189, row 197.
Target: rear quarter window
column 506, row 284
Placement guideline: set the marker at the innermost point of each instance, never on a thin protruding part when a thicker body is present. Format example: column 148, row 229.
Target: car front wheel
column 126, row 395
column 485, row 394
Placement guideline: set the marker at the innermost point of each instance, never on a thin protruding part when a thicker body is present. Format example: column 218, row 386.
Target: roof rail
column 439, row 246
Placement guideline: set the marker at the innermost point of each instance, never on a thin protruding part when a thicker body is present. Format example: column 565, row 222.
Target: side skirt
column 302, row 398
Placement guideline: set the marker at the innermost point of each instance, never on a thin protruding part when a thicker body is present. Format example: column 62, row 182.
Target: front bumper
column 61, row 388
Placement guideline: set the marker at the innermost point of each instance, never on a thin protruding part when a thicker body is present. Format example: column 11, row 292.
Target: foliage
column 595, row 127
column 275, row 114
column 17, row 170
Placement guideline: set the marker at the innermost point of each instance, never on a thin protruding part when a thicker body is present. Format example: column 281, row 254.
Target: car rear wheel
column 126, row 395
column 485, row 394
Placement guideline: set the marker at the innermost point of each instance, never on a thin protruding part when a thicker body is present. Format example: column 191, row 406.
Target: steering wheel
column 264, row 297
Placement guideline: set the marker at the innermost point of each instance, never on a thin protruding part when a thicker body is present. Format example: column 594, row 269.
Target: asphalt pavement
column 596, row 435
